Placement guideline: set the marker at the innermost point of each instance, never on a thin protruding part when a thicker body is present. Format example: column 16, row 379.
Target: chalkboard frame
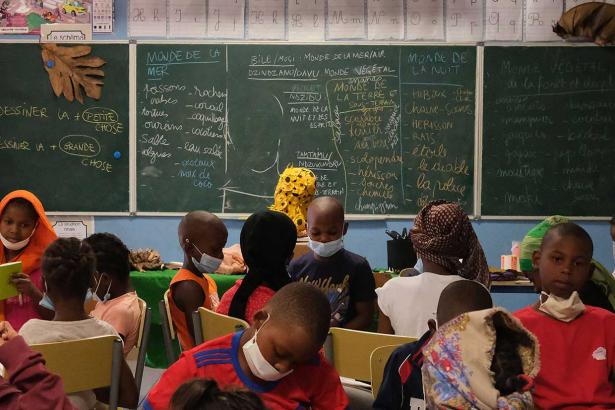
column 475, row 196
column 131, row 44
column 478, row 137
column 479, row 215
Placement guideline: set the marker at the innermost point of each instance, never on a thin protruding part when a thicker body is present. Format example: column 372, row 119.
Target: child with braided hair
column 68, row 266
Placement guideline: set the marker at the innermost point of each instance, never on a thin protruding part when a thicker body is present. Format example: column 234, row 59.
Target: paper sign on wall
column 225, row 19
column 187, row 18
column 425, row 20
column 540, row 17
column 385, row 19
column 346, row 20
column 147, row 18
column 464, row 20
column 306, row 20
column 79, row 227
column 266, row 20
column 503, row 20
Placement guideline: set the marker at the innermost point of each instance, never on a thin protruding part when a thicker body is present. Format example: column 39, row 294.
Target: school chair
column 378, row 361
column 209, row 325
column 140, row 349
column 349, row 351
column 86, row 364
column 168, row 330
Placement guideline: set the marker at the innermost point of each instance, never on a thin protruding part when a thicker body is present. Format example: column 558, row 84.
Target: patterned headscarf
column 533, row 239
column 457, row 364
column 443, row 234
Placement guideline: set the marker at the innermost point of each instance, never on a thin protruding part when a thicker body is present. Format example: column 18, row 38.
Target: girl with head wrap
column 599, row 291
column 25, row 233
column 267, row 242
column 443, row 235
column 445, row 241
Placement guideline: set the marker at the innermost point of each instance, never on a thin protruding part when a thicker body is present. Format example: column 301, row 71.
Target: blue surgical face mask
column 326, row 249
column 46, row 302
column 207, row 264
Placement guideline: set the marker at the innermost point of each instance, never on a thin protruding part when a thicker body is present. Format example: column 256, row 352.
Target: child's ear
column 536, row 259
column 345, row 227
column 259, row 318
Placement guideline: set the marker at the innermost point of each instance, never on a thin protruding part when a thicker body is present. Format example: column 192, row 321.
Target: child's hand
column 24, row 285
column 6, row 332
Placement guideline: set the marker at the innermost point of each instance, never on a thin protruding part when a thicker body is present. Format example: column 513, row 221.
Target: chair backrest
column 86, row 364
column 209, row 325
column 142, row 341
column 168, row 331
column 350, row 350
column 378, row 361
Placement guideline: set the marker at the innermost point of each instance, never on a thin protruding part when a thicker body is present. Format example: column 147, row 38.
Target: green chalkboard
column 64, row 151
column 548, row 143
column 385, row 128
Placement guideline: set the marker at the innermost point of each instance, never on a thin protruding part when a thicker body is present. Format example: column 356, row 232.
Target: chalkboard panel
column 64, row 151
column 548, row 143
column 385, row 128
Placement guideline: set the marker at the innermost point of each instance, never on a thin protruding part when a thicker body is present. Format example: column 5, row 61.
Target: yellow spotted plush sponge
column 293, row 194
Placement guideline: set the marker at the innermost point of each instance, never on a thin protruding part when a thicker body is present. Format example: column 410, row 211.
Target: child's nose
column 567, row 268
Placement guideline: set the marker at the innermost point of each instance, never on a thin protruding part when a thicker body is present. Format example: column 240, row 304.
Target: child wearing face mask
column 202, row 236
column 267, row 241
column 577, row 341
column 276, row 358
column 117, row 302
column 345, row 277
column 25, row 232
column 68, row 265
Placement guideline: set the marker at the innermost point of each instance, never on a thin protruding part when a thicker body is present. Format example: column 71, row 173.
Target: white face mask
column 16, row 246
column 565, row 310
column 108, row 293
column 326, row 249
column 207, row 264
column 259, row 366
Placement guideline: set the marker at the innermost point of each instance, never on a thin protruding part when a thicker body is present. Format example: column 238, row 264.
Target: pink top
column 17, row 314
column 258, row 299
column 124, row 314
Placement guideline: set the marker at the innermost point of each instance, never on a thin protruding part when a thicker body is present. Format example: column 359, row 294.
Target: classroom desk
column 150, row 286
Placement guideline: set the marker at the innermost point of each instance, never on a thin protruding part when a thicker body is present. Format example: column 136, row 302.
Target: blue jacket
column 402, row 376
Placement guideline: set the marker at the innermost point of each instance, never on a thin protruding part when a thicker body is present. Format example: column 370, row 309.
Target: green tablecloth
column 150, row 286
